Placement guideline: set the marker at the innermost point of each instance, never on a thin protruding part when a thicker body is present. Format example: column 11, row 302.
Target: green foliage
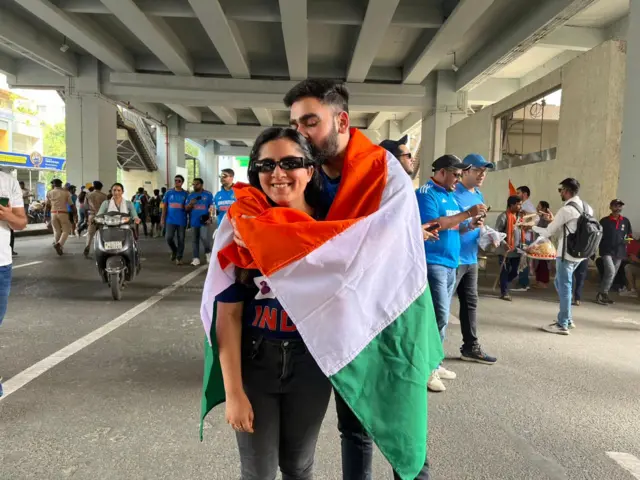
column 47, row 175
column 26, row 110
column 55, row 144
column 191, row 149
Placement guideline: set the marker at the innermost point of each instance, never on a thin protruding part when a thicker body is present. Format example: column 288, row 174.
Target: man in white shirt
column 12, row 217
column 565, row 219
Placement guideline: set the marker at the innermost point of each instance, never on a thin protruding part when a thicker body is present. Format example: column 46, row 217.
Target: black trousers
column 467, row 290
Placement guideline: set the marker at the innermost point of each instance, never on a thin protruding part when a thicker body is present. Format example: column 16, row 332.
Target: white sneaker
column 519, row 289
column 445, row 374
column 435, row 384
column 555, row 328
column 208, row 257
column 195, row 262
column 629, row 293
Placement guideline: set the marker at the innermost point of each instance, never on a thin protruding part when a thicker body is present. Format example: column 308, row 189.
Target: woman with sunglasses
column 276, row 395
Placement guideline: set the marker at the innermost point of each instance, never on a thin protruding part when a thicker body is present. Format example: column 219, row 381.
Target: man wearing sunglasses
column 437, row 203
column 225, row 197
column 174, row 218
column 467, row 195
column 400, row 150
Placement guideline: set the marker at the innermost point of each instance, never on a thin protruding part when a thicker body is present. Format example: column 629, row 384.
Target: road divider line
column 627, row 461
column 23, row 378
column 27, row 264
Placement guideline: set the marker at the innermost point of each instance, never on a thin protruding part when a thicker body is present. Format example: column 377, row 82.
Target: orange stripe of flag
column 512, row 189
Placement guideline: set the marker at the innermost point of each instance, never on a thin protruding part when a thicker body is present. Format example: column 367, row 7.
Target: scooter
column 117, row 253
column 36, row 212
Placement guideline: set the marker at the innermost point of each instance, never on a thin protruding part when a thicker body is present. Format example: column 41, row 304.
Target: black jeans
column 579, row 276
column 289, row 395
column 467, row 290
column 508, row 272
column 357, row 446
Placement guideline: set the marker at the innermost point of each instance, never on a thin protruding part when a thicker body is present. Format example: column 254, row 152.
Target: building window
column 529, row 133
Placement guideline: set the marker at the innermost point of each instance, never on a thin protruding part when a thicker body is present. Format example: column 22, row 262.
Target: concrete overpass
column 215, row 71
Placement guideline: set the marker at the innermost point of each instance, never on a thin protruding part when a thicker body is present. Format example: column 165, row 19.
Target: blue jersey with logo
column 262, row 313
column 468, row 240
column 223, row 200
column 174, row 202
column 435, row 202
column 200, row 208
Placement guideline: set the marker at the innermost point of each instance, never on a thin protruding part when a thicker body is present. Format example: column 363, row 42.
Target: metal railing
column 143, row 132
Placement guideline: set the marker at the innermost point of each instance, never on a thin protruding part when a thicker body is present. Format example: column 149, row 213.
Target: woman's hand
column 236, row 233
column 239, row 413
column 137, row 221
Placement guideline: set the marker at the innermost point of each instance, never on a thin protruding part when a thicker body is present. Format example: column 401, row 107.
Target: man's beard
column 329, row 149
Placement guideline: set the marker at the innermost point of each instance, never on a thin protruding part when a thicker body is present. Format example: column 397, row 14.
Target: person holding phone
column 199, row 205
column 12, row 217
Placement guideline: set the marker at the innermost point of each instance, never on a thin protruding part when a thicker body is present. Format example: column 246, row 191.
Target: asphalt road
column 126, row 406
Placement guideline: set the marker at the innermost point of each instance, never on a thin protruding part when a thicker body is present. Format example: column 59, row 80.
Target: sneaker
column 576, row 303
column 629, row 293
column 477, row 355
column 555, row 328
column 445, row 374
column 195, row 262
column 572, row 325
column 601, row 299
column 179, row 262
column 208, row 257
column 608, row 299
column 520, row 289
column 14, row 254
column 435, row 384
column 173, row 257
column 506, row 297
column 58, row 248
column 86, row 252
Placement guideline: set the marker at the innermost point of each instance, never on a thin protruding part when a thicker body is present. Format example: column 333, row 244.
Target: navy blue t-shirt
column 329, row 188
column 263, row 316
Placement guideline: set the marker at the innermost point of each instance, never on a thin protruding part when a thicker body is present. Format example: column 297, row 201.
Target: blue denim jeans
column 5, row 288
column 564, row 286
column 179, row 231
column 201, row 234
column 442, row 282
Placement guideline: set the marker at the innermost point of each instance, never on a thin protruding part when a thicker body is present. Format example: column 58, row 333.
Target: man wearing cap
column 615, row 230
column 468, row 195
column 437, row 204
column 399, row 149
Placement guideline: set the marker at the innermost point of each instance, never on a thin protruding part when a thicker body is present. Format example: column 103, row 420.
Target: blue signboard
column 20, row 160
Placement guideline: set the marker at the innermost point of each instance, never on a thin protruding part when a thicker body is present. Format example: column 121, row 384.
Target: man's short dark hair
column 545, row 204
column 179, row 176
column 571, row 184
column 56, row 182
column 141, row 190
column 198, row 180
column 513, row 200
column 97, row 185
column 525, row 189
column 156, row 192
column 329, row 92
column 229, row 172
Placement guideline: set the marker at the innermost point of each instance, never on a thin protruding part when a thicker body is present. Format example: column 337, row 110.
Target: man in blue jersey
column 174, row 218
column 467, row 195
column 437, row 203
column 225, row 197
column 199, row 206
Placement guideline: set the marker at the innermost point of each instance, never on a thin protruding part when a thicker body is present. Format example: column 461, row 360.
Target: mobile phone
column 433, row 227
column 4, row 201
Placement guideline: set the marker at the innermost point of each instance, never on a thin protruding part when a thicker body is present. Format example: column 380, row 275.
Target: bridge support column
column 91, row 140
column 170, row 156
column 209, row 167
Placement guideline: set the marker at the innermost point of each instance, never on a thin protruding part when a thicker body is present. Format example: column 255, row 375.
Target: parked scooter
column 117, row 253
column 36, row 212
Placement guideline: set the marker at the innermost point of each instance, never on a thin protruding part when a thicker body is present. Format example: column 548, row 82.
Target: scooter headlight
column 112, row 221
column 99, row 220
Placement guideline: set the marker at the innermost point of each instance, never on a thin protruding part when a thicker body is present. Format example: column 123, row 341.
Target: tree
column 54, row 145
column 193, row 167
column 55, row 142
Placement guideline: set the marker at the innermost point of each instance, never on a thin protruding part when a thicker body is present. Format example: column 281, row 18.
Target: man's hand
column 6, row 212
column 137, row 221
column 480, row 209
column 548, row 216
column 428, row 233
column 477, row 222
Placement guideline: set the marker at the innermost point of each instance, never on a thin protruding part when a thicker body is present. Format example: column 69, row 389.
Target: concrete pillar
column 170, row 151
column 91, row 129
column 434, row 126
column 209, row 167
column 628, row 190
column 395, row 130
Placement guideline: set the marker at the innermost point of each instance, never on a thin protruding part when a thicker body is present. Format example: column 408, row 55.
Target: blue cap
column 477, row 160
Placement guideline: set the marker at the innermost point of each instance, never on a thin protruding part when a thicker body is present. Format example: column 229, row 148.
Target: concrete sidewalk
column 34, row 229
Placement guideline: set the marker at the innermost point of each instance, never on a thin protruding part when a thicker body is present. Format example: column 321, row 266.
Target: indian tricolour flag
column 355, row 285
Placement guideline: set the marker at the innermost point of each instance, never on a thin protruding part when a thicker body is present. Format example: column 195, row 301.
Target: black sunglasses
column 268, row 165
column 408, row 155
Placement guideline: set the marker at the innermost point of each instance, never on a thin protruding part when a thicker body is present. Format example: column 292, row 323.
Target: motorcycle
column 117, row 253
column 36, row 212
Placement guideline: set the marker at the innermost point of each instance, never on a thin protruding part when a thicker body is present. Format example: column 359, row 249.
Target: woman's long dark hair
column 312, row 194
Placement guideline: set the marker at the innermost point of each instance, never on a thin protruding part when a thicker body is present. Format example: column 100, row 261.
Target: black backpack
column 584, row 242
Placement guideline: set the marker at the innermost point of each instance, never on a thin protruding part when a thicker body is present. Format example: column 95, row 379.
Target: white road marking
column 625, row 320
column 21, row 379
column 27, row 264
column 627, row 461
